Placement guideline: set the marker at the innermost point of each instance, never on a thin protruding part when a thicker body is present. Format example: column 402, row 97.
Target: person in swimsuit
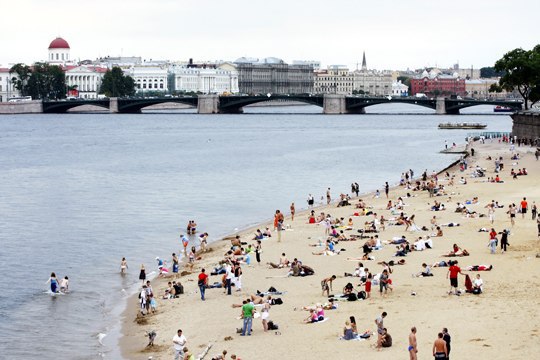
column 142, row 274
column 440, row 351
column 413, row 349
column 326, row 285
column 53, row 283
column 293, row 210
column 123, row 266
column 64, row 285
column 265, row 314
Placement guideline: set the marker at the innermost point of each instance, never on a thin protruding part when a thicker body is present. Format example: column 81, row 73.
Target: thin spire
column 364, row 65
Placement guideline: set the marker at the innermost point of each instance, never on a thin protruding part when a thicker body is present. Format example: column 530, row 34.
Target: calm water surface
column 80, row 191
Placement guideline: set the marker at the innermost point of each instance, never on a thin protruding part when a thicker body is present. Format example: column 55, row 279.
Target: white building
column 372, row 82
column 85, row 79
column 7, row 90
column 149, row 77
column 399, row 89
column 59, row 52
column 313, row 63
column 207, row 79
column 336, row 79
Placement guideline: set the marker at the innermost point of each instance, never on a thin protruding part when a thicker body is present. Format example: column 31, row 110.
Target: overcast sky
column 395, row 34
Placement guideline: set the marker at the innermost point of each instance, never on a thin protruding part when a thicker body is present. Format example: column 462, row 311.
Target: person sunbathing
column 456, row 251
column 479, row 268
column 283, row 262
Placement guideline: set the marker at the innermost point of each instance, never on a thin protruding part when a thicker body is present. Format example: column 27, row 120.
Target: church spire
column 364, row 65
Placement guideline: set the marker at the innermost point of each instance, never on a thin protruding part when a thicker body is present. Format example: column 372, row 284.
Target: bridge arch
column 136, row 105
column 234, row 104
column 453, row 105
column 63, row 106
column 358, row 104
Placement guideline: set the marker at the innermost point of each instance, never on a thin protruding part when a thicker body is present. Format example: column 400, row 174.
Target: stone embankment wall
column 23, row 107
column 526, row 124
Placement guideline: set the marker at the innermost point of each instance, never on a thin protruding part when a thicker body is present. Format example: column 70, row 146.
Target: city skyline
column 395, row 35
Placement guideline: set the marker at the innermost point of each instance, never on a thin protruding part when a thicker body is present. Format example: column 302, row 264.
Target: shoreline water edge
column 186, row 313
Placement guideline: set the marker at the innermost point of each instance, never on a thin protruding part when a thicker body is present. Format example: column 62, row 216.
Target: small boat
column 499, row 108
column 462, row 126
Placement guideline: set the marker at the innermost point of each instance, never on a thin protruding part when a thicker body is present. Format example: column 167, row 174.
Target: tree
column 489, row 72
column 405, row 80
column 522, row 72
column 41, row 81
column 116, row 84
column 20, row 81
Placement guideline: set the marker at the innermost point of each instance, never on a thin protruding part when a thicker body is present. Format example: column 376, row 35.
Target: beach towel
column 318, row 322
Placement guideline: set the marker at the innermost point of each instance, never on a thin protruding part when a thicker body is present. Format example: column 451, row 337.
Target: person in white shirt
column 229, row 278
column 478, row 285
column 179, row 341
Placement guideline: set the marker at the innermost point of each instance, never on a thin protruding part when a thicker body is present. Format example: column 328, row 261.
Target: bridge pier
column 440, row 108
column 113, row 105
column 334, row 104
column 208, row 104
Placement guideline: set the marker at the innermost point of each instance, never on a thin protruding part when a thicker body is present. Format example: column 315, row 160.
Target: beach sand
column 501, row 323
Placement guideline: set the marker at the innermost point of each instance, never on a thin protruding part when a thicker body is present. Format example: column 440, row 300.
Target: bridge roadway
column 331, row 104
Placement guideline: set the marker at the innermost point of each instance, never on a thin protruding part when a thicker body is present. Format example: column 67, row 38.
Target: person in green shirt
column 247, row 314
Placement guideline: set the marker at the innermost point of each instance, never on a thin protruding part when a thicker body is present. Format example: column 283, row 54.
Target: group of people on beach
column 258, row 305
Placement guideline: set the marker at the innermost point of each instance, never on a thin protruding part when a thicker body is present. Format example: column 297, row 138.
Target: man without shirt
column 413, row 349
column 440, row 351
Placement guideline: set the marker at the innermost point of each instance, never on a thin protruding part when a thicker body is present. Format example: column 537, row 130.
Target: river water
column 80, row 191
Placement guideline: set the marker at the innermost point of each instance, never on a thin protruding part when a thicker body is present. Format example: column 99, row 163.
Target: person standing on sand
column 386, row 189
column 524, row 207
column 356, row 189
column 123, row 266
column 534, row 210
column 453, row 272
column 328, row 197
column 238, row 277
column 413, row 347
column 380, row 329
column 292, row 211
column 326, row 285
column 202, row 282
column 440, row 352
column 229, row 276
column 179, row 341
column 258, row 251
column 247, row 314
column 447, row 338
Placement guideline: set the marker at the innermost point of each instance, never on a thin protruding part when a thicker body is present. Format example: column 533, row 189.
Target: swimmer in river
column 53, row 283
column 123, row 266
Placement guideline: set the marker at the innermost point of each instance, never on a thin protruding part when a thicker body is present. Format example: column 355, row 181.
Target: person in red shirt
column 524, row 207
column 203, row 281
column 453, row 272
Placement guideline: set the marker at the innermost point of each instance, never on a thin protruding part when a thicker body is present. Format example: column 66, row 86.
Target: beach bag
column 277, row 301
column 352, row 297
column 272, row 326
column 362, row 295
column 272, row 289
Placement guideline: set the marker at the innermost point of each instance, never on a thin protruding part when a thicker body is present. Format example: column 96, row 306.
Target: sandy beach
column 500, row 323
